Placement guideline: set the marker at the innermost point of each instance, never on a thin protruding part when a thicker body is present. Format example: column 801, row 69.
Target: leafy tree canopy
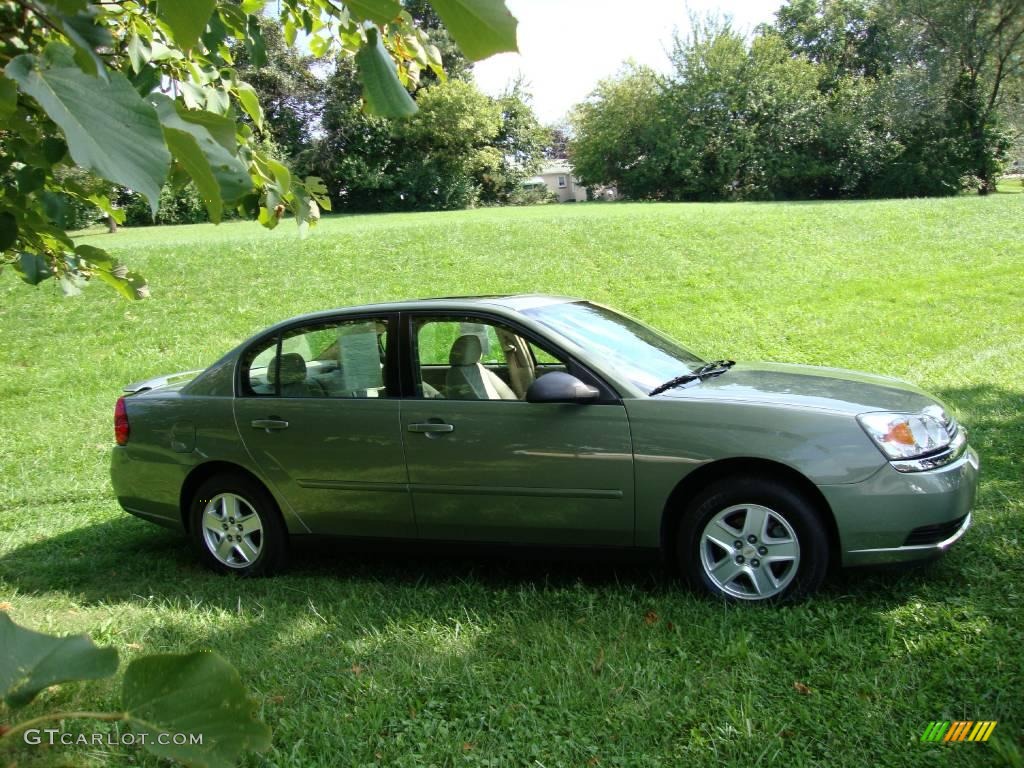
column 462, row 148
column 837, row 98
column 146, row 93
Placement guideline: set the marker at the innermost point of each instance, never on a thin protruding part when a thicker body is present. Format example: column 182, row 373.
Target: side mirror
column 557, row 387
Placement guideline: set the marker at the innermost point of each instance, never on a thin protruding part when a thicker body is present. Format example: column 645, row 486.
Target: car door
column 318, row 412
column 484, row 464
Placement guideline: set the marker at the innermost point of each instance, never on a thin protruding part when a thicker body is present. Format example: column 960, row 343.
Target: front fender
column 673, row 438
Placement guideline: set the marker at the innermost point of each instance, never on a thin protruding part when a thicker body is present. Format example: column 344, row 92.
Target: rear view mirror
column 557, row 387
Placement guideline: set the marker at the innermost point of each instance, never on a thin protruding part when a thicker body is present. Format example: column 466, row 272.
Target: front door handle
column 269, row 424
column 431, row 427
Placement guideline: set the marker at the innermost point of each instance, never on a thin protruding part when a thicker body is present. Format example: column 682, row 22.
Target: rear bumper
column 895, row 517
column 147, row 489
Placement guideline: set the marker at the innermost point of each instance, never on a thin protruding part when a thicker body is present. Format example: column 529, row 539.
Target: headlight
column 907, row 435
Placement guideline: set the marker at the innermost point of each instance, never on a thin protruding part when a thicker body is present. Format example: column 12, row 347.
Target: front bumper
column 895, row 517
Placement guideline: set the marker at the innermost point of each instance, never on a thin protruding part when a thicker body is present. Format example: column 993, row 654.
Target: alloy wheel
column 232, row 530
column 749, row 551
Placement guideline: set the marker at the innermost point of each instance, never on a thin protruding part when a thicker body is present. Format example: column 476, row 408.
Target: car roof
column 512, row 302
column 504, row 303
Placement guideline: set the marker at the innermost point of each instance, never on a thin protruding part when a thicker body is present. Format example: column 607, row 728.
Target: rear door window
column 322, row 360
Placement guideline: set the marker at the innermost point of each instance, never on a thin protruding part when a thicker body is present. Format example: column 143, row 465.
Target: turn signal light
column 900, row 433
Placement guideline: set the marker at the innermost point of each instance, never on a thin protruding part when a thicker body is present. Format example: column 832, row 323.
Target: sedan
column 542, row 421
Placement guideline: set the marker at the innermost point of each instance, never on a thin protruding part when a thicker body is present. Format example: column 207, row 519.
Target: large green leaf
column 383, row 92
column 255, row 44
column 481, row 28
column 31, row 661
column 250, row 102
column 377, row 11
column 186, row 19
column 87, row 36
column 218, row 173
column 139, row 52
column 197, row 694
column 97, row 118
column 33, row 268
column 318, row 191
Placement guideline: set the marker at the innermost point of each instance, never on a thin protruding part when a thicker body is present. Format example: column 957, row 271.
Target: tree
column 855, row 98
column 518, row 147
column 557, row 145
column 748, row 121
column 462, row 148
column 706, row 105
column 850, row 38
column 288, row 90
column 978, row 48
column 620, row 135
column 353, row 153
column 955, row 58
column 445, row 147
column 730, row 122
column 143, row 93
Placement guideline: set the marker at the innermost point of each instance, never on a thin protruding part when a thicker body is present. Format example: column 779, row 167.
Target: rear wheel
column 236, row 526
column 752, row 539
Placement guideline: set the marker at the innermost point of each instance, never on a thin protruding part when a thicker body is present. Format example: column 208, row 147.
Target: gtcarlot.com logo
column 54, row 736
column 959, row 730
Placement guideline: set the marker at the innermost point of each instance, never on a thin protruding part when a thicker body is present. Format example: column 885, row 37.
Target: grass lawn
column 386, row 659
column 1010, row 185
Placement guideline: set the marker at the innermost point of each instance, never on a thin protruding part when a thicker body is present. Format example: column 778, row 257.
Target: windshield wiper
column 716, row 368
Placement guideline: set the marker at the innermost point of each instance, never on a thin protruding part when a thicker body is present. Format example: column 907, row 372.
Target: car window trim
column 609, row 395
column 392, row 363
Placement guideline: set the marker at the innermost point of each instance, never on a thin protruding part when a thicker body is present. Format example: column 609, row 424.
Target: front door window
column 471, row 359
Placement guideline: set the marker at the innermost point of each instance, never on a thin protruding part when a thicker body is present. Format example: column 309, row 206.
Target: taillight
column 121, row 428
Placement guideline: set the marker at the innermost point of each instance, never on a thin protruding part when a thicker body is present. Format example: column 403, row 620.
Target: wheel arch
column 705, row 475
column 203, row 472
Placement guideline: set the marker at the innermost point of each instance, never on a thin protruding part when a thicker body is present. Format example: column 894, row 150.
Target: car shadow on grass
column 124, row 558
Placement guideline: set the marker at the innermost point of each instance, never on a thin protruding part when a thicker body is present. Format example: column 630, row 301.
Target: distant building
column 557, row 176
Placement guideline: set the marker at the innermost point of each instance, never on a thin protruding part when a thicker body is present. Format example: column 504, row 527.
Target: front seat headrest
column 289, row 368
column 466, row 350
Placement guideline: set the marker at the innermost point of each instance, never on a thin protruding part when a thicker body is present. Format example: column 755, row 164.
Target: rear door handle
column 269, row 424
column 431, row 427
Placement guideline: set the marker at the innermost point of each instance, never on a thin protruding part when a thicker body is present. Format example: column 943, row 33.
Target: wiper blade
column 716, row 368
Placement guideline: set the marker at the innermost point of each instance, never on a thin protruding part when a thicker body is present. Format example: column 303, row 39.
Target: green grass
column 1013, row 185
column 386, row 659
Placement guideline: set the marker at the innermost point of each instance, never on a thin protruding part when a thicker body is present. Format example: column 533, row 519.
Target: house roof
column 556, row 166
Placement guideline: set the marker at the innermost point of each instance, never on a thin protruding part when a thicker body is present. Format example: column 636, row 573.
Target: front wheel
column 236, row 526
column 752, row 539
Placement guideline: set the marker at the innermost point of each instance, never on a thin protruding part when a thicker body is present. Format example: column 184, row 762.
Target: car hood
column 808, row 386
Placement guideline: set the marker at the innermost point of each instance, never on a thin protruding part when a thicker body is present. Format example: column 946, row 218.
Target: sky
column 566, row 46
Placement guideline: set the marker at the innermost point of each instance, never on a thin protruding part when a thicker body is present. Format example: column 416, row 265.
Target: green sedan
column 544, row 421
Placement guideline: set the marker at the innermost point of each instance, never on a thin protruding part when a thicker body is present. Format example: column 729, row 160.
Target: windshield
column 637, row 352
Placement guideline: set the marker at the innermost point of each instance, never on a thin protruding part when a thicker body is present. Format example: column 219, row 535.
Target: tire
column 236, row 526
column 787, row 558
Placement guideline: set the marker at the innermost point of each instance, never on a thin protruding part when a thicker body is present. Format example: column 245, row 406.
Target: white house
column 557, row 176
